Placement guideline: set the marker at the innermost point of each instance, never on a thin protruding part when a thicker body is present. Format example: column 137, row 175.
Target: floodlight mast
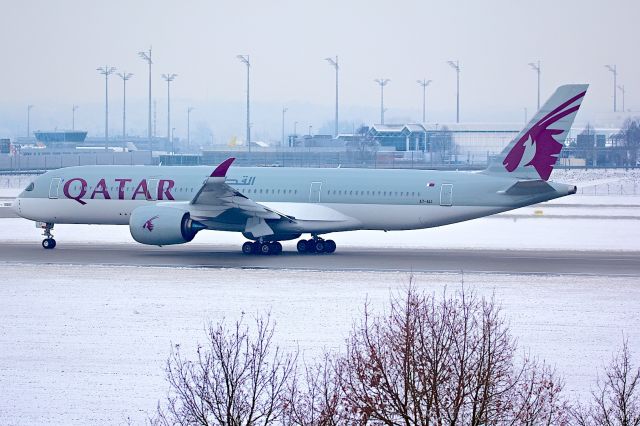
column 29, row 108
column 106, row 71
column 614, row 71
column 334, row 63
column 169, row 78
column 284, row 110
column 146, row 56
column 536, row 67
column 622, row 90
column 125, row 76
column 189, row 126
column 456, row 66
column 73, row 116
column 382, row 82
column 245, row 60
column 424, row 83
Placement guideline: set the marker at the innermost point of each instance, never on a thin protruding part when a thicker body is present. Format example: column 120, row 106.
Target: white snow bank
column 87, row 345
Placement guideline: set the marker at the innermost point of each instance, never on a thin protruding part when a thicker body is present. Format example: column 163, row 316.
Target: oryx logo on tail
column 538, row 147
column 149, row 223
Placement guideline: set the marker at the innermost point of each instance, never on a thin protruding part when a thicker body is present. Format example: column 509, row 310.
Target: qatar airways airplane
column 170, row 205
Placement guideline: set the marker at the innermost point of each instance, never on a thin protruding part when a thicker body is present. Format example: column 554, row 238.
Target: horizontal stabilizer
column 529, row 187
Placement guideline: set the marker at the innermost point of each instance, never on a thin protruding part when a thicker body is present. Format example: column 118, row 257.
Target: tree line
column 429, row 360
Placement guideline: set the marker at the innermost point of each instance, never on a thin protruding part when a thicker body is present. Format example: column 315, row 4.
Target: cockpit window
column 30, row 187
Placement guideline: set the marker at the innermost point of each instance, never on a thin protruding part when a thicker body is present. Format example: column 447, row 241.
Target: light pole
column 424, row 83
column 536, row 67
column 106, row 71
column 310, row 128
column 295, row 133
column 621, row 88
column 189, row 126
column 173, row 131
column 169, row 78
column 614, row 71
column 146, row 56
column 456, row 66
column 284, row 110
column 382, row 82
column 29, row 108
column 125, row 77
column 245, row 60
column 73, row 116
column 334, row 63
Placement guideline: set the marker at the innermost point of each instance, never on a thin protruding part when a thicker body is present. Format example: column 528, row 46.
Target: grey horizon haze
column 52, row 48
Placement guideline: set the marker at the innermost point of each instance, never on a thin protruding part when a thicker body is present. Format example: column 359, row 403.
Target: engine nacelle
column 160, row 225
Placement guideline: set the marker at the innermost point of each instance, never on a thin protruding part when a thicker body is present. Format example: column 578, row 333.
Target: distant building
column 5, row 146
column 58, row 139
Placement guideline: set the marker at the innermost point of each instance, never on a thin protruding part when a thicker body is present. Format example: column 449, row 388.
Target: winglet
column 221, row 170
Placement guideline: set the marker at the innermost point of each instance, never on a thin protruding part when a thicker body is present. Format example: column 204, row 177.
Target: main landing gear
column 48, row 242
column 316, row 245
column 262, row 247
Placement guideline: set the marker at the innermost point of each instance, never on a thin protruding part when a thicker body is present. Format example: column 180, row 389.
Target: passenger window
column 30, row 187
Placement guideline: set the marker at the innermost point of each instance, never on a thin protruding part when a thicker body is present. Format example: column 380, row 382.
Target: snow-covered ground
column 87, row 345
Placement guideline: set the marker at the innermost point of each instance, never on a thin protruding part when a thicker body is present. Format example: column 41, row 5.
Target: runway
column 601, row 263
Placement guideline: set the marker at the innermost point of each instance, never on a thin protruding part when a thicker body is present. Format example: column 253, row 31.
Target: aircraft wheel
column 302, row 246
column 329, row 246
column 277, row 247
column 319, row 246
column 48, row 243
column 247, row 247
column 266, row 248
column 311, row 246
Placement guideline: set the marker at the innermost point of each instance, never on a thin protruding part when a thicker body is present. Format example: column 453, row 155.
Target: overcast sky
column 52, row 48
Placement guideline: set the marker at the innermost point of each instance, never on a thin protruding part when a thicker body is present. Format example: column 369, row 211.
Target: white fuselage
column 321, row 200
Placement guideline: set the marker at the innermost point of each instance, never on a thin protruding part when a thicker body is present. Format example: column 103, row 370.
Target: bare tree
column 444, row 361
column 316, row 399
column 616, row 398
column 238, row 378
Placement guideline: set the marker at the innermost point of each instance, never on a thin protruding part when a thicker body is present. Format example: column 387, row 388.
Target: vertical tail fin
column 534, row 152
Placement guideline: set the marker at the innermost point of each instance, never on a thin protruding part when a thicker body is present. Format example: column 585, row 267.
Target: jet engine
column 160, row 225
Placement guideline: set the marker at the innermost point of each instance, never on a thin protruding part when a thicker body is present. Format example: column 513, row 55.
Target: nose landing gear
column 48, row 242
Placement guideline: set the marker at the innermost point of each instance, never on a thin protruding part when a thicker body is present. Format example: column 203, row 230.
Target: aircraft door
column 314, row 192
column 54, row 187
column 446, row 194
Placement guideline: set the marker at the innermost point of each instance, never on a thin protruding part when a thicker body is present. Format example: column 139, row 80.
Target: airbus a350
column 170, row 205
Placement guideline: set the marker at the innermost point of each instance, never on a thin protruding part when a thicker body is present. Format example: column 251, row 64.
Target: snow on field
column 87, row 345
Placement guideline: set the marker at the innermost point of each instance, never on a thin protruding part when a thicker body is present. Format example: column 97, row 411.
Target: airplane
column 170, row 205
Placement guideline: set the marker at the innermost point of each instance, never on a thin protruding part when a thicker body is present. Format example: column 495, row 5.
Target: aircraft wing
column 219, row 202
